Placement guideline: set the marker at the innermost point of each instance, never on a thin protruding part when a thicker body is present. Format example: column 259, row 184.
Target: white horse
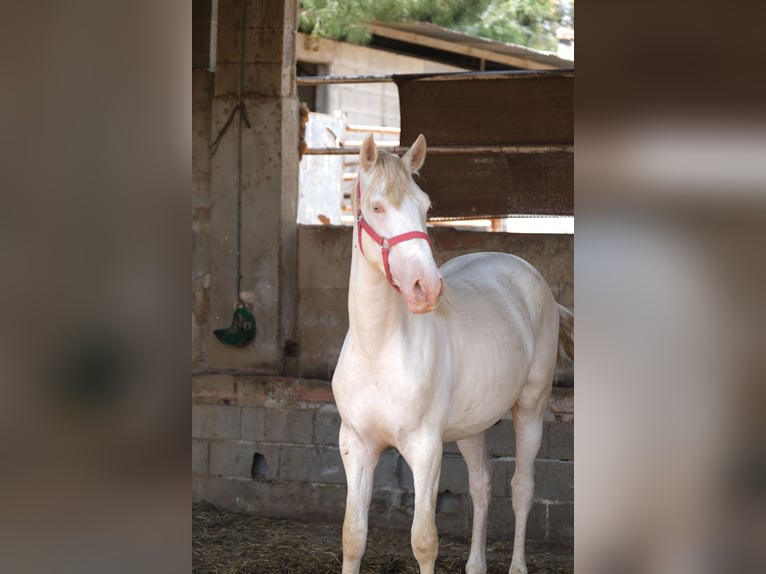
column 437, row 355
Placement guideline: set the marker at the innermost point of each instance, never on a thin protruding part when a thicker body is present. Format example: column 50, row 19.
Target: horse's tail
column 566, row 333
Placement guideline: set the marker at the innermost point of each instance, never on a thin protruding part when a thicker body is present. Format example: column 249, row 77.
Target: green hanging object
column 242, row 329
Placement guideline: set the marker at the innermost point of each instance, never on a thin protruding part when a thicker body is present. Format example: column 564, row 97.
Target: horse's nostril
column 418, row 287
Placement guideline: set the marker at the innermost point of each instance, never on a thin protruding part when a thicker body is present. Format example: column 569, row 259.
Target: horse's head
column 391, row 223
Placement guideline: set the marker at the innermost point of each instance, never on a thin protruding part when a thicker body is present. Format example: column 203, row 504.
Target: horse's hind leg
column 359, row 461
column 528, row 426
column 474, row 452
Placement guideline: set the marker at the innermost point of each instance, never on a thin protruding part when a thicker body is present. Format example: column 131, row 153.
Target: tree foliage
column 528, row 22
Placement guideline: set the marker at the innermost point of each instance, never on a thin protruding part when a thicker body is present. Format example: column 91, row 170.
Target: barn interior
column 264, row 424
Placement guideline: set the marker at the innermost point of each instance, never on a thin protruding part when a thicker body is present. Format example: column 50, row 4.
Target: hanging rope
column 242, row 116
column 240, row 107
column 242, row 329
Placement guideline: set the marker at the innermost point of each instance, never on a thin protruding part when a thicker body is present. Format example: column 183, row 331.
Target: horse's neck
column 376, row 310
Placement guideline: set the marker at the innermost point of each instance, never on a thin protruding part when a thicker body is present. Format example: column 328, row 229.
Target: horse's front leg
column 424, row 455
column 359, row 461
column 474, row 452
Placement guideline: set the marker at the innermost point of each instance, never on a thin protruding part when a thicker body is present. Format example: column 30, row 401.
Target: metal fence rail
column 384, row 78
column 454, row 150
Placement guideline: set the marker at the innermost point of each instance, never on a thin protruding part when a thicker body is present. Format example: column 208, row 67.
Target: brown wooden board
column 520, row 110
column 499, row 184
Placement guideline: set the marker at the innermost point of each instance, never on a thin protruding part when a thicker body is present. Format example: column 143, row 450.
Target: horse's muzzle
column 422, row 296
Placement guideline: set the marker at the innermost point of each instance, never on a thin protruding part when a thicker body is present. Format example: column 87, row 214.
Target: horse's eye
column 377, row 208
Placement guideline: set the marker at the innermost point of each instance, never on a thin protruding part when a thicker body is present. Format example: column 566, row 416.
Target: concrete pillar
column 269, row 181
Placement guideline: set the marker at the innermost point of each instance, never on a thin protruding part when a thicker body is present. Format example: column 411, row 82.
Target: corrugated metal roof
column 435, row 36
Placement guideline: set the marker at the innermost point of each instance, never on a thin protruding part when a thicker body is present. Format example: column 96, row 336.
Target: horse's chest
column 385, row 399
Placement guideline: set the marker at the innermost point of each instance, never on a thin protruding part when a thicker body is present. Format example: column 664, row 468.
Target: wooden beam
column 455, row 48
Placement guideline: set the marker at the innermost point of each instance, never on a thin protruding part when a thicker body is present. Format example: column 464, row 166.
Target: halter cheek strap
column 385, row 243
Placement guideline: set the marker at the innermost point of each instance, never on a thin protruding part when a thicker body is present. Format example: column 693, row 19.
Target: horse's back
column 491, row 280
column 497, row 308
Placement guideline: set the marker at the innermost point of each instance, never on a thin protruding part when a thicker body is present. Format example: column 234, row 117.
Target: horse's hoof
column 475, row 567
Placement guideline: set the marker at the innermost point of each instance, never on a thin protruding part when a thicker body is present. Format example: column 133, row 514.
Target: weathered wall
column 270, row 445
column 324, row 261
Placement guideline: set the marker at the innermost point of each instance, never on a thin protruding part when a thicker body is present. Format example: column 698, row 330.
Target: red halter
column 385, row 243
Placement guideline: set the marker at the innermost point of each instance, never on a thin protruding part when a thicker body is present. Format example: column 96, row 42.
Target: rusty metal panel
column 499, row 185
column 522, row 110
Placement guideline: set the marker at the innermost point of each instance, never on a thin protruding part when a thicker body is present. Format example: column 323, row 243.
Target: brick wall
column 270, row 445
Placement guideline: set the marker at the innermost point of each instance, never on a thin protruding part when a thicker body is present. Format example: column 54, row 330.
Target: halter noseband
column 385, row 243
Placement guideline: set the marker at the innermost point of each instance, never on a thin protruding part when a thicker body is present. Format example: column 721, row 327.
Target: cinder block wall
column 270, row 446
column 324, row 262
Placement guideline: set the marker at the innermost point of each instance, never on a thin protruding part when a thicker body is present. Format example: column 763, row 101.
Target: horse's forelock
column 398, row 180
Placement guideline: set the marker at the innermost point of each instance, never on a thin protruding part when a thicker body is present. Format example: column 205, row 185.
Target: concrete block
column 231, row 459
column 404, row 475
column 311, row 465
column 454, row 475
column 502, row 470
column 450, row 448
column 198, row 488
column 295, row 501
column 216, row 421
column 294, row 426
column 454, row 513
column 398, row 517
column 323, row 307
column 560, row 441
column 223, row 492
column 561, row 522
column 384, row 500
column 254, row 424
column 212, row 388
column 324, row 258
column 200, row 457
column 502, row 520
column 500, row 439
column 319, row 350
column 326, row 426
column 554, row 480
column 323, row 323
column 386, row 473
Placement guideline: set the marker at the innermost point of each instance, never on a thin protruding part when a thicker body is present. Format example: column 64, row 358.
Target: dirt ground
column 229, row 543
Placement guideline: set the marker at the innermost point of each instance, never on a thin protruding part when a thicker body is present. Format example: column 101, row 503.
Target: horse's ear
column 416, row 155
column 368, row 155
